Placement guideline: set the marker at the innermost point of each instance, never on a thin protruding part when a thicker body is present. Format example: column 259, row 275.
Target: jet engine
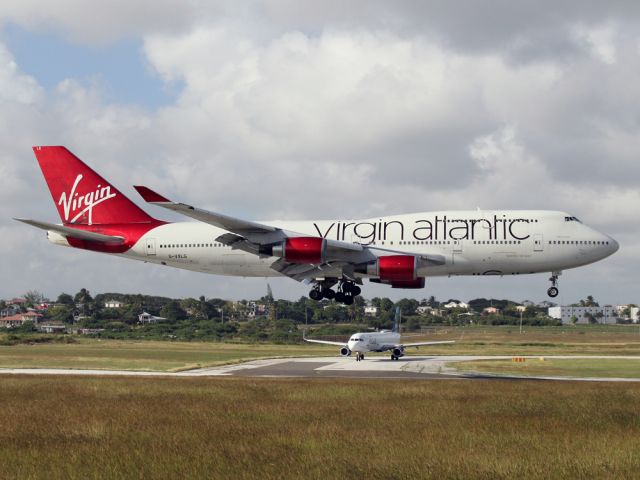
column 345, row 352
column 301, row 250
column 398, row 352
column 394, row 268
column 399, row 271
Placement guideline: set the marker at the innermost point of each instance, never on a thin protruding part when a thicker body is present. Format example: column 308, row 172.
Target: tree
column 408, row 306
column 83, row 297
column 34, row 297
column 65, row 299
column 61, row 313
column 589, row 302
column 172, row 312
column 574, row 319
column 590, row 318
column 599, row 316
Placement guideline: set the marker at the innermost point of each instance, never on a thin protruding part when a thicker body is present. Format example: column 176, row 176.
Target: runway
column 373, row 367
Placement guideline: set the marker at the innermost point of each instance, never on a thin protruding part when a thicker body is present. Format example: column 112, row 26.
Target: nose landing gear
column 553, row 290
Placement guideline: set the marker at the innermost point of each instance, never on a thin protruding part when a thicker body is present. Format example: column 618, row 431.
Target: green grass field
column 575, row 367
column 79, row 428
column 144, row 355
column 172, row 356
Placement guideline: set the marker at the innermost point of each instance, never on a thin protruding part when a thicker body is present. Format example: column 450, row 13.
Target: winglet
column 150, row 196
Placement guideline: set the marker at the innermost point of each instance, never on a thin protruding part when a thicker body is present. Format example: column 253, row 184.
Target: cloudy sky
column 301, row 109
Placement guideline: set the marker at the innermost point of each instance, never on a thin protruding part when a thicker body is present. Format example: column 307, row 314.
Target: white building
column 257, row 310
column 633, row 312
column 606, row 314
column 370, row 310
column 462, row 305
column 113, row 304
column 145, row 317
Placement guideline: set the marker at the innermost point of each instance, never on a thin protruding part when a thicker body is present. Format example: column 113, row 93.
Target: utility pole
column 520, row 322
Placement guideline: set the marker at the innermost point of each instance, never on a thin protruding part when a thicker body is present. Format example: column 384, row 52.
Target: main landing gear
column 553, row 290
column 347, row 290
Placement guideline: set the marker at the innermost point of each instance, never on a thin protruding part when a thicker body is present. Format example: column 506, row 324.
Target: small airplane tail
column 83, row 197
column 396, row 323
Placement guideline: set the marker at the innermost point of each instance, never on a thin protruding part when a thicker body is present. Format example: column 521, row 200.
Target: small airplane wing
column 326, row 342
column 424, row 343
column 73, row 232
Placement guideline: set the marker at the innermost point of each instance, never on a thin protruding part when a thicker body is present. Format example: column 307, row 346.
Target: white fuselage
column 471, row 243
column 363, row 342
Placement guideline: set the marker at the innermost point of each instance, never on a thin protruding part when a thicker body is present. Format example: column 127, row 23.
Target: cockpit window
column 572, row 219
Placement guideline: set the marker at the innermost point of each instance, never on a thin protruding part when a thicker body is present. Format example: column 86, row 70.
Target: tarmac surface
column 373, row 367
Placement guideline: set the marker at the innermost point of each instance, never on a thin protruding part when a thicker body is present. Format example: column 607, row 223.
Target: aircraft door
column 456, row 249
column 150, row 247
column 538, row 243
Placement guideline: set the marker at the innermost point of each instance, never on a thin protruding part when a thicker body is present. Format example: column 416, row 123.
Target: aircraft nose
column 614, row 245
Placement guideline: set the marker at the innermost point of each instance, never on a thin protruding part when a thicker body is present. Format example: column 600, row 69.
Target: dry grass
column 57, row 428
column 564, row 340
column 563, row 367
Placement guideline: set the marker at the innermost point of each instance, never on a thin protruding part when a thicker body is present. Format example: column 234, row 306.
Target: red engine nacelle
column 302, row 250
column 395, row 268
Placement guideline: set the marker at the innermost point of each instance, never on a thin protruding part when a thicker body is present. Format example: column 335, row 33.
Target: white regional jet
column 383, row 341
column 399, row 251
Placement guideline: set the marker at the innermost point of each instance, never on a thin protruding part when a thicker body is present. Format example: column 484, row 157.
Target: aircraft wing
column 235, row 225
column 255, row 238
column 73, row 232
column 424, row 343
column 326, row 342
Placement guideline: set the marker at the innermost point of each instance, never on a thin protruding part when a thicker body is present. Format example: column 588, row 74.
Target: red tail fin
column 81, row 195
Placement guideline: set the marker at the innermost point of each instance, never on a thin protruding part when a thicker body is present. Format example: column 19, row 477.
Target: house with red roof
column 20, row 319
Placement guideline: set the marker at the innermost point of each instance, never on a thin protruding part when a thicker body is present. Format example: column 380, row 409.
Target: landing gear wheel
column 315, row 294
column 349, row 287
column 348, row 300
column 339, row 297
column 393, row 357
column 553, row 290
column 328, row 293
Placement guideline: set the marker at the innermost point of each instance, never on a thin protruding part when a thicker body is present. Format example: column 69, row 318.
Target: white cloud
column 100, row 22
column 288, row 114
column 599, row 40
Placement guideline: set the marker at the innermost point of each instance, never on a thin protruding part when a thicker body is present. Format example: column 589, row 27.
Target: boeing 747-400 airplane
column 399, row 250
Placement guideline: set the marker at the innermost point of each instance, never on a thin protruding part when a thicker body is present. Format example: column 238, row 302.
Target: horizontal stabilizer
column 73, row 232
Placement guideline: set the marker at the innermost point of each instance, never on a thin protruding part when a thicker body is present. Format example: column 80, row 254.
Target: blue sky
column 119, row 69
